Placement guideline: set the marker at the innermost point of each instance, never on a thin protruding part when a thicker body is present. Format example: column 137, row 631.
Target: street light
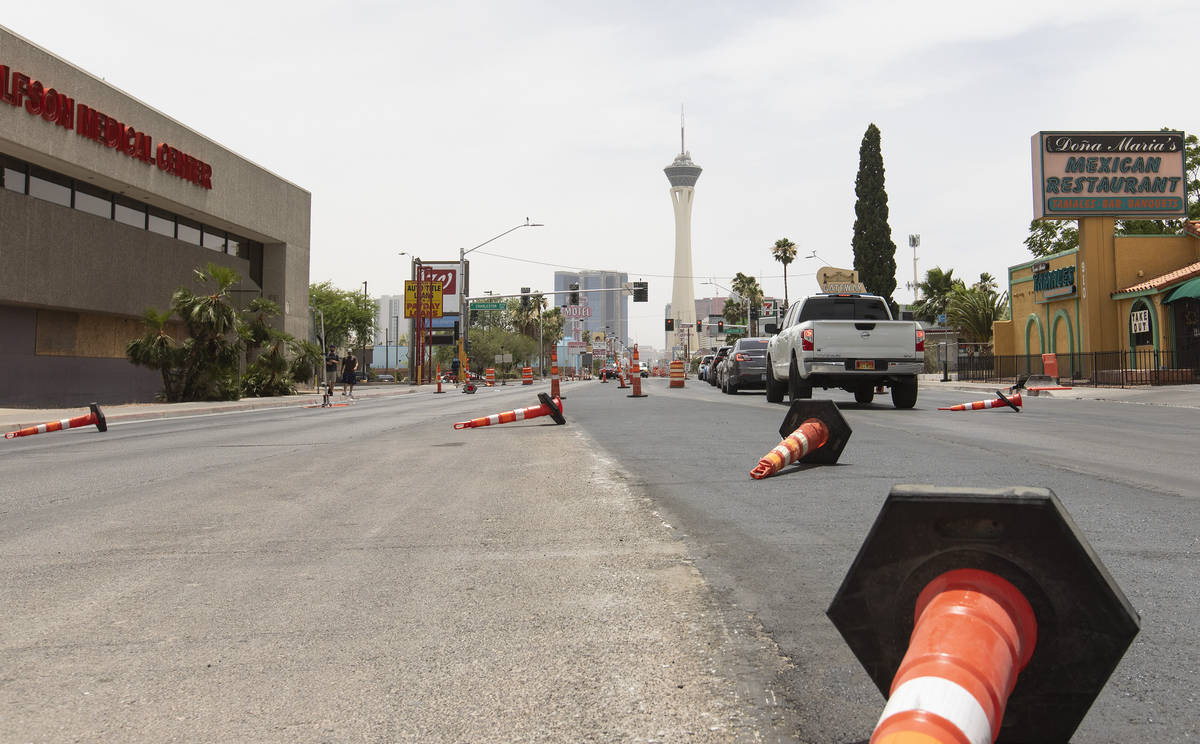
column 814, row 255
column 462, row 280
column 731, row 295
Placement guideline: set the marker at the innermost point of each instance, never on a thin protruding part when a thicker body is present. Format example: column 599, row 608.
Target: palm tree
column 749, row 292
column 158, row 349
column 784, row 252
column 935, row 294
column 973, row 310
column 212, row 352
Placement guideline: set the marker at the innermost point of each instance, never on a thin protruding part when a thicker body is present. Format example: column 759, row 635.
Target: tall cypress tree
column 874, row 251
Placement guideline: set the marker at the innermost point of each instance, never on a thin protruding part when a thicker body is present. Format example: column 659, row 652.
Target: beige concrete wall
column 244, row 198
column 1143, row 257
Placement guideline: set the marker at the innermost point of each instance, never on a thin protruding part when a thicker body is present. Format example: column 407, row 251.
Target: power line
column 631, row 273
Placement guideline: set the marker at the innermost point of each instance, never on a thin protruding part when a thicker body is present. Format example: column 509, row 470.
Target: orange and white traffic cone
column 621, row 372
column 1013, row 402
column 811, row 435
column 818, row 433
column 636, row 375
column 554, row 393
column 974, row 633
column 93, row 417
column 551, row 407
column 439, row 380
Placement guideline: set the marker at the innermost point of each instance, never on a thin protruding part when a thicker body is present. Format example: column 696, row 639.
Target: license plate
column 864, row 364
column 762, row 378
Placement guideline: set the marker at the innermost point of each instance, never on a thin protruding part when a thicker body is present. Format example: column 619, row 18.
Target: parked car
column 746, row 365
column 705, row 363
column 608, row 373
column 385, row 377
column 714, row 367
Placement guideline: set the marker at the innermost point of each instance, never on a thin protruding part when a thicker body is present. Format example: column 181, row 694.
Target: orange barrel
column 489, row 374
column 676, row 374
column 526, row 375
column 554, row 387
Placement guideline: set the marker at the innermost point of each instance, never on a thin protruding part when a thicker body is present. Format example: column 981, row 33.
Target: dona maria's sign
column 1137, row 175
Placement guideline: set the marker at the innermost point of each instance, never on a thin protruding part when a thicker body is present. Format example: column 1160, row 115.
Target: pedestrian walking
column 349, row 372
column 331, row 368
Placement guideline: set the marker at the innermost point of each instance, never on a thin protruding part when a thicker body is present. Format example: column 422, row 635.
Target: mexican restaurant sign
column 1138, row 175
column 57, row 108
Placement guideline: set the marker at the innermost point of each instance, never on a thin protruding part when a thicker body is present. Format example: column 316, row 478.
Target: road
column 367, row 573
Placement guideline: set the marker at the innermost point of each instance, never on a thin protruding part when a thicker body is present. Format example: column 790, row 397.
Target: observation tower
column 683, row 173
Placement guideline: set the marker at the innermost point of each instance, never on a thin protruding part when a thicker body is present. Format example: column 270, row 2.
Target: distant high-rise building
column 683, row 173
column 390, row 317
column 610, row 310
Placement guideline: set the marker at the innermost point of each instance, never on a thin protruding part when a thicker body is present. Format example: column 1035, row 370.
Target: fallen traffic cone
column 1012, row 402
column 551, row 407
column 818, row 434
column 957, row 591
column 94, row 417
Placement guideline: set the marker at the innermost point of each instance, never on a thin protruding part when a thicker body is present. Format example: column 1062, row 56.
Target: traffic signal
column 670, row 324
column 524, row 298
column 640, row 293
column 699, row 326
column 474, row 319
column 720, row 326
column 573, row 298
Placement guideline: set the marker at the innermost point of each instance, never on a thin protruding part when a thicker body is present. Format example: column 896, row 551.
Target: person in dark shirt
column 349, row 371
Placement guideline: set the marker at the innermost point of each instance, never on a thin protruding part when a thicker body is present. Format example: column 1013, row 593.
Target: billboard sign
column 430, row 300
column 1136, row 175
column 448, row 274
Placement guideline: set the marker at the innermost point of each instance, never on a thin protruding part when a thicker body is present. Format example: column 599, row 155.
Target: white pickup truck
column 846, row 341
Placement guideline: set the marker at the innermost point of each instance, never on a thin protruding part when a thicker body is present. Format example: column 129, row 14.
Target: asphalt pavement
column 1180, row 396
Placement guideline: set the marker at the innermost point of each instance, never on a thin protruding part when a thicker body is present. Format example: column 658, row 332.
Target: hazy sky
column 426, row 127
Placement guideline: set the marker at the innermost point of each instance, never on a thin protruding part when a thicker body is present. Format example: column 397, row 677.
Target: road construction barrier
column 489, row 375
column 1013, row 402
column 813, row 431
column 636, row 368
column 554, row 392
column 95, row 416
column 676, row 374
column 551, row 407
column 526, row 375
column 958, row 591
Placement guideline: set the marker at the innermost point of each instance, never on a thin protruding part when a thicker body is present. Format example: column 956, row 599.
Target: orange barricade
column 527, row 375
column 489, row 375
column 1050, row 366
column 676, row 374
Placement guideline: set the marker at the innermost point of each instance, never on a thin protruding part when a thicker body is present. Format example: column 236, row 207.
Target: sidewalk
column 1176, row 396
column 17, row 418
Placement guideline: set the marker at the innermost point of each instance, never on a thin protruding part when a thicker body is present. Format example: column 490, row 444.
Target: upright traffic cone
column 439, row 380
column 621, row 372
column 551, row 407
column 816, row 428
column 94, row 417
column 1012, row 402
column 554, row 376
column 636, row 368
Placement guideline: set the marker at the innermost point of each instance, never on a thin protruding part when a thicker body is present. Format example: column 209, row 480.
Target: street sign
column 478, row 305
column 941, row 319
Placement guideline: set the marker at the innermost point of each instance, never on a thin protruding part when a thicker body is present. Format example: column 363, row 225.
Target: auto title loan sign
column 1116, row 174
column 57, row 108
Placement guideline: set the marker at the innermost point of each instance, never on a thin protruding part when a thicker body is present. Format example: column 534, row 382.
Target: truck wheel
column 904, row 394
column 775, row 390
column 797, row 390
column 864, row 396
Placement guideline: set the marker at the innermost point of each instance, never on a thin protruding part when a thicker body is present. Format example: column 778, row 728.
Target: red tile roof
column 1192, row 227
column 1158, row 282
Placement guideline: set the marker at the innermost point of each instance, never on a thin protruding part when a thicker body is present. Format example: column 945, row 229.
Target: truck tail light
column 741, row 357
column 806, row 339
column 920, row 340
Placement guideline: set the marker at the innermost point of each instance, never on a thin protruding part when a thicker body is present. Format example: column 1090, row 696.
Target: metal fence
column 1093, row 369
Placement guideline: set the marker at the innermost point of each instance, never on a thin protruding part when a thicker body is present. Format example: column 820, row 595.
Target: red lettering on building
column 18, row 89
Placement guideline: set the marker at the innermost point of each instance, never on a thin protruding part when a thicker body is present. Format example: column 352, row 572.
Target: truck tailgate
column 864, row 339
